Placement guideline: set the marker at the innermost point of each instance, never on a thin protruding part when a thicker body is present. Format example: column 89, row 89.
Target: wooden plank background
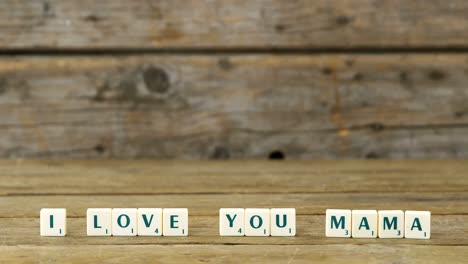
column 205, row 186
column 236, row 79
column 232, row 23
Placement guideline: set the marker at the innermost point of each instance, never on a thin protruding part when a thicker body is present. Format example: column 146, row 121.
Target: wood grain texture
column 218, row 24
column 440, row 203
column 346, row 254
column 203, row 187
column 246, row 106
column 231, row 177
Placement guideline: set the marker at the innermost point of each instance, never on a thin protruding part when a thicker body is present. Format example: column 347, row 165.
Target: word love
column 120, row 222
column 257, row 222
column 384, row 224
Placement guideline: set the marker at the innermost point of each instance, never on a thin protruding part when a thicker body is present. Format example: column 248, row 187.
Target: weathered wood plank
column 439, row 203
column 192, row 107
column 445, row 230
column 191, row 177
column 204, row 186
column 347, row 254
column 232, row 24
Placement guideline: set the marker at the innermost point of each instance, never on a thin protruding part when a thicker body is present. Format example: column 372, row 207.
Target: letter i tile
column 53, row 221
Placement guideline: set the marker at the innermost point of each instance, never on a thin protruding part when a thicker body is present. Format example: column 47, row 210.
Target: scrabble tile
column 124, row 222
column 391, row 224
column 338, row 223
column 418, row 224
column 149, row 222
column 283, row 221
column 175, row 222
column 53, row 221
column 231, row 221
column 99, row 221
column 257, row 222
column 364, row 223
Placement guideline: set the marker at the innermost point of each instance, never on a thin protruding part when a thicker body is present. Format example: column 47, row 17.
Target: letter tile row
column 382, row 224
column 120, row 222
column 257, row 222
column 241, row 222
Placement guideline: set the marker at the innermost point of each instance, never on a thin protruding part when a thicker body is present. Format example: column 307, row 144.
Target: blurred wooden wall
column 230, row 79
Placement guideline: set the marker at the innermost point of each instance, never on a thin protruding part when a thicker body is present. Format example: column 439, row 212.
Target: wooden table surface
column 204, row 187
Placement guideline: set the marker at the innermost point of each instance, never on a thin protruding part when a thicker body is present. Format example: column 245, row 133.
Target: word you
column 384, row 224
column 257, row 222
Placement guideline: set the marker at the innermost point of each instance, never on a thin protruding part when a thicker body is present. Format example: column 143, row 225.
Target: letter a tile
column 418, row 224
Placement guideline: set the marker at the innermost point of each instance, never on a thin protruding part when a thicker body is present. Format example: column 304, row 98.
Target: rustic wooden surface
column 204, row 187
column 170, row 24
column 233, row 79
column 234, row 106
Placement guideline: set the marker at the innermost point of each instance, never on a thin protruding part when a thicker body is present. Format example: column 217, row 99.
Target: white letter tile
column 124, row 222
column 231, row 221
column 418, row 224
column 338, row 223
column 364, row 223
column 391, row 224
column 175, row 221
column 149, row 222
column 99, row 221
column 53, row 221
column 257, row 222
column 283, row 221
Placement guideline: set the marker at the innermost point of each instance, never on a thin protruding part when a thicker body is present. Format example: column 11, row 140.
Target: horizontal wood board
column 234, row 106
column 203, row 187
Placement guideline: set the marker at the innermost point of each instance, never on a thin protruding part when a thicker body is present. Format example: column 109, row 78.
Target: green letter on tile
column 231, row 219
column 364, row 223
column 278, row 221
column 260, row 221
column 147, row 223
column 173, row 221
column 337, row 223
column 416, row 224
column 119, row 220
column 95, row 222
column 388, row 225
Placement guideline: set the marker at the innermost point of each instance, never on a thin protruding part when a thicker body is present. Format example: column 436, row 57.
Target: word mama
column 382, row 224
